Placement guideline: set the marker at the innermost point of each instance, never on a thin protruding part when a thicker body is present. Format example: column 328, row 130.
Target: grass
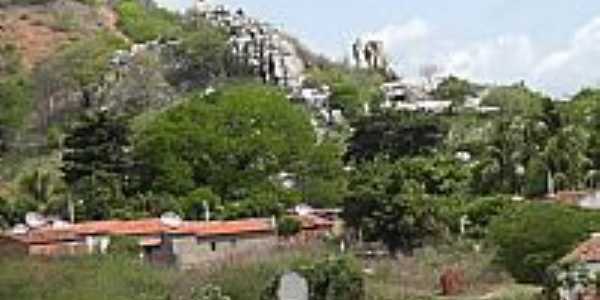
column 143, row 24
column 417, row 277
column 126, row 278
column 90, row 278
column 117, row 277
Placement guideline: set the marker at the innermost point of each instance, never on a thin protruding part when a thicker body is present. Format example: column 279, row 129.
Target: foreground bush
column 122, row 276
column 332, row 278
column 288, row 226
column 534, row 236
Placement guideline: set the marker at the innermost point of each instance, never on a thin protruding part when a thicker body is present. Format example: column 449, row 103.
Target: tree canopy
column 395, row 135
column 455, row 89
column 239, row 142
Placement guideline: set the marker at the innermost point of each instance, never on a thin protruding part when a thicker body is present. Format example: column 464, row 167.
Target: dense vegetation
column 122, row 276
column 405, row 179
column 533, row 237
column 143, row 24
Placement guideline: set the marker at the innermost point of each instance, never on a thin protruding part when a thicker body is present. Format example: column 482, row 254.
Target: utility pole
column 206, row 211
column 71, row 208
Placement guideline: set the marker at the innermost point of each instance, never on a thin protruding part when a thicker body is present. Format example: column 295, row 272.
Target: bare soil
column 39, row 31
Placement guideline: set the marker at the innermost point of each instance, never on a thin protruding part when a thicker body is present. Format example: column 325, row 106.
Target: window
column 233, row 242
column 213, row 246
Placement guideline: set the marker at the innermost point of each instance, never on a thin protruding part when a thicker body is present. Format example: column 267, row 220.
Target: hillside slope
column 39, row 31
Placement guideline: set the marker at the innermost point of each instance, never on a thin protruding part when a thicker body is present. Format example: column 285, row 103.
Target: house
column 184, row 244
column 166, row 241
column 46, row 242
column 199, row 244
column 578, row 269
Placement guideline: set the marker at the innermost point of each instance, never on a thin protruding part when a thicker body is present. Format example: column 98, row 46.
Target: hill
column 40, row 30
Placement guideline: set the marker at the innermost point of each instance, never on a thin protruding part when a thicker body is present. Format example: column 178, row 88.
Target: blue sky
column 554, row 45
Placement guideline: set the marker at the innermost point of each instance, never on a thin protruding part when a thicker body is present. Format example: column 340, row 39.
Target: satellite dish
column 19, row 229
column 35, row 220
column 171, row 219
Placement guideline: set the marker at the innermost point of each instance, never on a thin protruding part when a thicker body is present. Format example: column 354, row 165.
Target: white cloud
column 575, row 66
column 504, row 59
column 394, row 36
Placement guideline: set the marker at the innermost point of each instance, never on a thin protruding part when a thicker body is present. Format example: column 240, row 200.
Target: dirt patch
column 39, row 31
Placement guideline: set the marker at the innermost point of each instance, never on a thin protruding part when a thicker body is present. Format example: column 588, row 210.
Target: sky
column 552, row 45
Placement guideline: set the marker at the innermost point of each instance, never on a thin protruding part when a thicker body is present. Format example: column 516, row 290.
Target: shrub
column 202, row 56
column 288, row 226
column 81, row 63
column 144, row 24
column 193, row 204
column 333, row 278
column 534, row 236
column 16, row 100
column 209, row 292
column 65, row 21
column 124, row 246
column 10, row 59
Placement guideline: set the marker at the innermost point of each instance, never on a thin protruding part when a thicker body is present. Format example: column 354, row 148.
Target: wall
column 10, row 247
column 97, row 243
column 58, row 249
column 191, row 251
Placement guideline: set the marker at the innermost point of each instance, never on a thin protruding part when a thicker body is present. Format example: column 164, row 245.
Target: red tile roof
column 152, row 228
column 588, row 251
column 156, row 227
column 224, row 227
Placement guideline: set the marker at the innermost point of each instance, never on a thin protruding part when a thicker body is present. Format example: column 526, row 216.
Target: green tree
column 145, row 23
column 16, row 102
column 194, row 205
column 566, row 156
column 534, row 236
column 350, row 88
column 515, row 100
column 288, row 226
column 235, row 141
column 436, row 175
column 47, row 188
column 395, row 135
column 582, row 112
column 322, row 180
column 512, row 143
column 386, row 209
column 201, row 57
column 97, row 163
column 455, row 89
